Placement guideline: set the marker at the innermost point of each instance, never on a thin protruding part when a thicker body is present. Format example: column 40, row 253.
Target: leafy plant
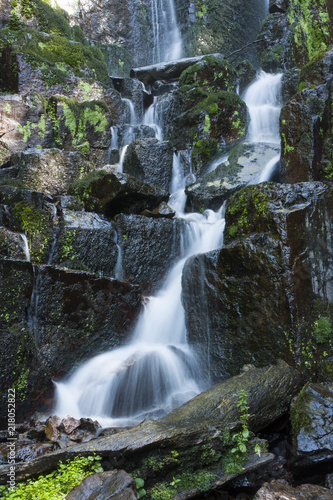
column 140, row 491
column 57, row 484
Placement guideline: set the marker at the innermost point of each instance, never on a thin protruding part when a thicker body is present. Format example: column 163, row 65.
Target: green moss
column 299, row 416
column 203, row 151
column 33, row 222
column 247, row 207
column 311, row 25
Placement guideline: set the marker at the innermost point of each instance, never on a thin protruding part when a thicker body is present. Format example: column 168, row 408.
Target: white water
column 167, row 38
column 156, row 371
column 268, row 170
column 25, row 246
column 263, row 99
column 151, row 119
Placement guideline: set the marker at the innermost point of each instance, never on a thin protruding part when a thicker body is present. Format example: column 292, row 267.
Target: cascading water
column 263, row 100
column 156, row 371
column 167, row 38
column 25, row 246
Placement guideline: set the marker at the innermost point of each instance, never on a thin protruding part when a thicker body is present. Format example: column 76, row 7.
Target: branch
column 244, row 47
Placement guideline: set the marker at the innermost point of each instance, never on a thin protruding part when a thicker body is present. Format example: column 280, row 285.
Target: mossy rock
column 210, row 72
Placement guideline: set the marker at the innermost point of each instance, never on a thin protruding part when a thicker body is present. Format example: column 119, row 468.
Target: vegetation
column 57, row 484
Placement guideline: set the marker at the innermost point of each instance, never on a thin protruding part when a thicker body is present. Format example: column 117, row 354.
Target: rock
column 329, row 481
column 227, row 119
column 69, row 424
column 89, row 425
column 163, row 210
column 278, row 6
column 199, row 422
column 276, row 490
column 244, row 165
column 86, row 242
column 13, row 112
column 306, row 125
column 268, row 274
column 150, row 161
column 114, row 193
column 167, row 71
column 143, row 262
column 50, row 171
column 12, row 245
column 38, row 340
column 52, row 431
column 115, row 483
column 312, row 425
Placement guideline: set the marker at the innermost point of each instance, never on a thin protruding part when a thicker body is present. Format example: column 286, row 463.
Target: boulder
column 276, row 490
column 13, row 245
column 114, row 193
column 163, row 210
column 86, row 242
column 244, row 166
column 149, row 247
column 150, row 161
column 51, row 171
column 168, row 71
column 312, row 426
column 53, row 320
column 115, row 484
column 271, row 277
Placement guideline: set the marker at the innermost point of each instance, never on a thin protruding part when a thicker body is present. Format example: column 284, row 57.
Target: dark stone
column 150, row 161
column 281, row 489
column 11, row 245
column 162, row 211
column 312, row 426
column 168, row 71
column 278, row 6
column 69, row 303
column 241, row 299
column 243, row 167
column 89, row 425
column 114, row 193
column 50, row 171
column 115, row 484
column 143, row 262
column 69, row 424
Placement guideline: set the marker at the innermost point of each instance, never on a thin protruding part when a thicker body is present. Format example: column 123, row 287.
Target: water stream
column 167, row 38
column 157, row 370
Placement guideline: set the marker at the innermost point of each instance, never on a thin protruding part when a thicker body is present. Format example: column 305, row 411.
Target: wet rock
column 163, row 210
column 198, row 422
column 226, row 112
column 114, row 193
column 69, row 424
column 116, row 484
column 166, row 70
column 52, row 431
column 243, row 167
column 13, row 112
column 306, row 125
column 281, row 490
column 278, row 6
column 38, row 343
column 312, row 425
column 50, row 171
column 329, row 481
column 12, row 245
column 150, row 161
column 86, row 242
column 239, row 300
column 143, row 262
column 89, row 425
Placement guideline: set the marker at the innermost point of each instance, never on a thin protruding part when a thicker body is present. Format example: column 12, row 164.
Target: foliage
column 59, row 483
column 299, row 416
column 140, row 491
column 246, row 208
column 310, row 342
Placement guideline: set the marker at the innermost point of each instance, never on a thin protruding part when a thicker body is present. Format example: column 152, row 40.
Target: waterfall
column 157, row 370
column 25, row 246
column 263, row 100
column 166, row 34
column 151, row 119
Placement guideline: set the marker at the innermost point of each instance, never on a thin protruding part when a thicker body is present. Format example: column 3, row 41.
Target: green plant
column 57, row 484
column 207, row 124
column 140, row 491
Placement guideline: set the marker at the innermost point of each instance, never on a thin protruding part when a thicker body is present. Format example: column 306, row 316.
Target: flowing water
column 166, row 34
column 263, row 100
column 157, row 370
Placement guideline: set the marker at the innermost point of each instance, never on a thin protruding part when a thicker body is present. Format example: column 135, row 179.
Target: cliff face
column 64, row 124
